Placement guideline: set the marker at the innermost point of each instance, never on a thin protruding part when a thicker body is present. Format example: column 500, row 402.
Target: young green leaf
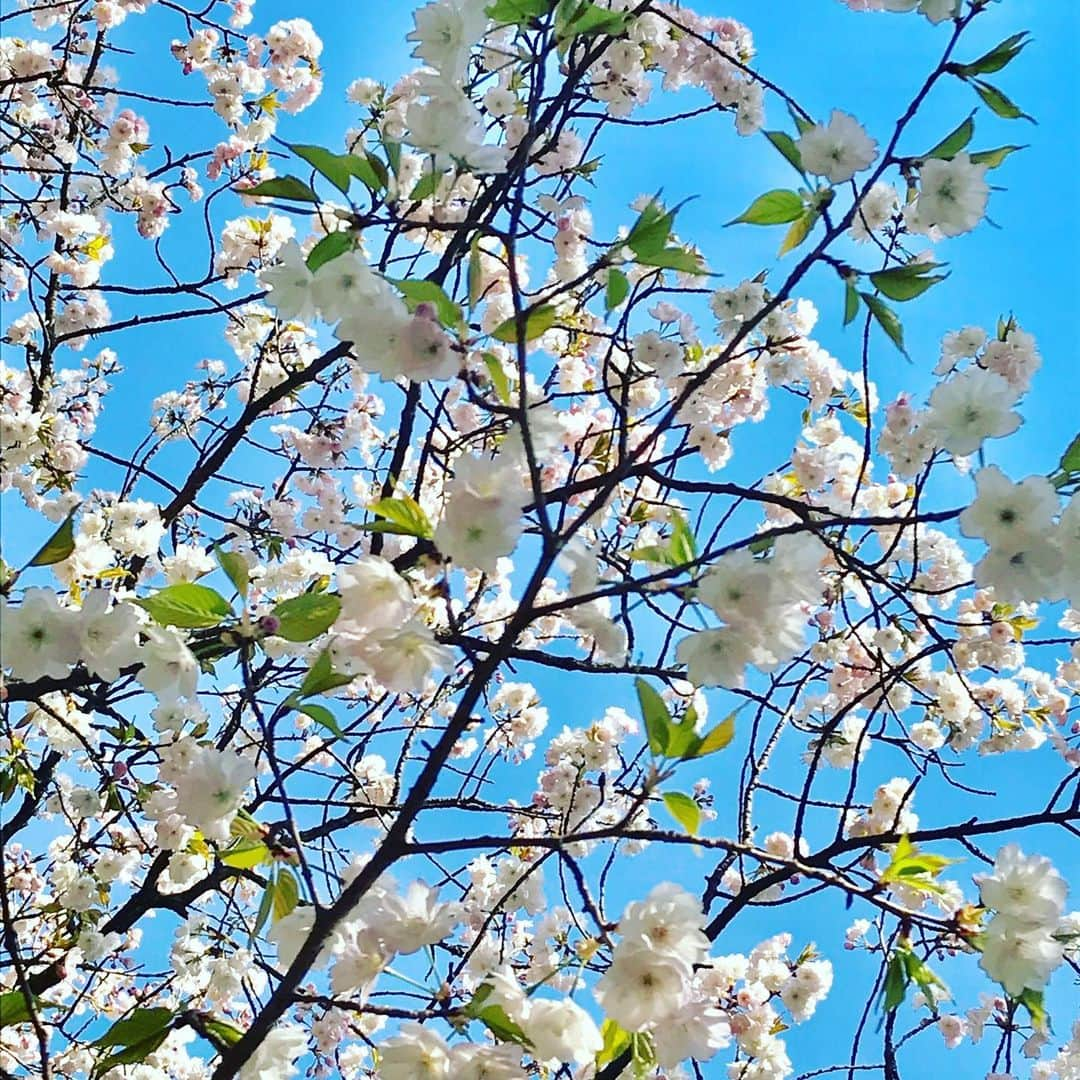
column 282, row 187
column 329, row 248
column 425, row 186
column 955, row 141
column 517, row 12
column 499, row 379
column 649, row 234
column 656, row 716
column 236, row 569
column 1070, row 460
column 305, row 617
column 800, row 229
column 718, row 738
column 582, row 17
column 187, row 605
column 851, row 301
column 222, row 1032
column 321, row 677
column 616, row 1042
column 286, row 893
column 324, row 718
column 335, row 167
column 684, row 810
column 886, row 319
column 993, row 158
column 402, row 515
column 59, row 546
column 682, row 546
column 998, row 57
column 368, row 169
column 14, row 1008
column 906, row 282
column 896, row 982
column 422, row 291
column 617, row 289
column 787, row 146
column 677, row 258
column 1032, row 1000
column 998, row 103
column 140, row 1025
column 773, row 208
column 476, row 273
column 245, row 854
column 538, row 320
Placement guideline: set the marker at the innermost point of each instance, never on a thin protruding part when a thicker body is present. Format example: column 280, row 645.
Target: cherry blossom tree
column 299, row 765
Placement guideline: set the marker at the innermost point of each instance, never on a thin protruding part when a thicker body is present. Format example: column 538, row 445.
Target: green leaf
column 998, row 103
column 1032, row 1000
column 925, row 979
column 616, row 1042
column 649, row 234
column 236, row 569
column 187, row 605
column 498, row 376
column 886, row 319
column 245, row 854
column 683, row 546
column 617, row 290
column 321, row 677
column 997, row 58
column 802, row 125
column 851, row 301
column 368, row 169
column 335, row 167
column 1070, row 460
column 422, row 291
column 476, row 274
column 329, row 248
column 652, row 553
column 655, row 714
column 140, row 1025
column 787, row 146
column 59, row 546
column 906, row 282
column 993, row 158
column 324, row 718
column 133, row 1054
column 282, row 187
column 265, row 906
column 914, row 868
column 494, row 1017
column 800, row 229
column 306, row 617
column 773, row 208
column 955, row 141
column 896, row 982
column 403, row 516
column 677, row 258
column 684, row 810
column 538, row 320
column 286, row 893
column 498, row 1022
column 718, row 738
column 517, row 12
column 14, row 1009
column 582, row 17
column 222, row 1032
column 425, row 186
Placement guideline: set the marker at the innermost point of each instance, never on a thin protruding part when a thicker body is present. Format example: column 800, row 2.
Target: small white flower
column 837, row 150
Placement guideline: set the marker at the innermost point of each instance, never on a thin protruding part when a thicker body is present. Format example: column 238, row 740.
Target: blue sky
column 828, row 57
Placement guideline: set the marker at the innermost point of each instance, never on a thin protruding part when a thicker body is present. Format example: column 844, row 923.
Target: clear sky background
column 827, row 57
